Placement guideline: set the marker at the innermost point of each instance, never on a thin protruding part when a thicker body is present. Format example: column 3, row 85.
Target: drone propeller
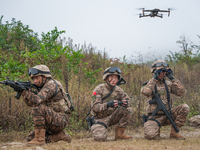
column 171, row 8
column 136, row 14
column 140, row 8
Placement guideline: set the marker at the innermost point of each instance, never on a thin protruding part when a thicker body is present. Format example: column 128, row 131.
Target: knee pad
column 151, row 129
column 99, row 132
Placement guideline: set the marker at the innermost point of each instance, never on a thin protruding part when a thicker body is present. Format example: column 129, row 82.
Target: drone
column 153, row 13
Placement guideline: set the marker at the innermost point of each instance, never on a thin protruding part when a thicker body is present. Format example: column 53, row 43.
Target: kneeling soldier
column 158, row 85
column 110, row 106
column 49, row 108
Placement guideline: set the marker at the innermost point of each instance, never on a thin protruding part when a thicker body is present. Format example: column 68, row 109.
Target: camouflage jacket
column 51, row 95
column 174, row 86
column 99, row 107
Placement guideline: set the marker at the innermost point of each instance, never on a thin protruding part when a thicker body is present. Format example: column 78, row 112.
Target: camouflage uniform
column 48, row 107
column 179, row 113
column 119, row 116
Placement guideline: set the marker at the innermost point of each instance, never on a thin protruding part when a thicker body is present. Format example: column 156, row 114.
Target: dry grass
column 137, row 143
column 15, row 115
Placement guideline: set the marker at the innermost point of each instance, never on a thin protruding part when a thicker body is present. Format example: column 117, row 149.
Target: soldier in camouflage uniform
column 106, row 111
column 49, row 108
column 179, row 113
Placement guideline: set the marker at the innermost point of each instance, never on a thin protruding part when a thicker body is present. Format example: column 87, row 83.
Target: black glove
column 110, row 104
column 170, row 75
column 156, row 74
column 18, row 89
column 126, row 103
column 121, row 103
column 72, row 108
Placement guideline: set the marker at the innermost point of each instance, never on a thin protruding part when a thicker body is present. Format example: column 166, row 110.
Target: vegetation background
column 80, row 69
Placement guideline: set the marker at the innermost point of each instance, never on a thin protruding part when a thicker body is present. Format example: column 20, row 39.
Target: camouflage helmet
column 158, row 63
column 112, row 71
column 39, row 70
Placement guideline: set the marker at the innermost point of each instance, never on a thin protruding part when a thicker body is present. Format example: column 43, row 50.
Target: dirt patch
column 86, row 142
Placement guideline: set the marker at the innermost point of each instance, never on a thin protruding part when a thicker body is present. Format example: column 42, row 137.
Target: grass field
column 84, row 141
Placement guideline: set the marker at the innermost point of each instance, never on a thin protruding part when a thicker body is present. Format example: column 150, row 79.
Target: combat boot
column 30, row 136
column 62, row 135
column 175, row 134
column 39, row 138
column 119, row 133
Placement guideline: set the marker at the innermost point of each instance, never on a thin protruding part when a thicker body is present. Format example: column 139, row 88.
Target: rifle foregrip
column 18, row 95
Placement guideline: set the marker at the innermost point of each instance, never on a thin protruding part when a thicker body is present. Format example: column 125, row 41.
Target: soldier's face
column 112, row 79
column 162, row 74
column 37, row 80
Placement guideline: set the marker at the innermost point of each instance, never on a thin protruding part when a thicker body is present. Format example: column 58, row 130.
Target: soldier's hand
column 170, row 74
column 156, row 74
column 112, row 104
column 125, row 102
column 115, row 103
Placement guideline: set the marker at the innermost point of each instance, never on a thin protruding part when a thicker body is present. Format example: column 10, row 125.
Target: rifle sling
column 55, row 93
column 108, row 94
column 168, row 95
column 168, row 98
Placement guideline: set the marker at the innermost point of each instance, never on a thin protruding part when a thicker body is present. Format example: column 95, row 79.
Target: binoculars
column 164, row 70
column 120, row 103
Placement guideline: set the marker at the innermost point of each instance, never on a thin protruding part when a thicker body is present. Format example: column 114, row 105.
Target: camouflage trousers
column 120, row 117
column 46, row 118
column 179, row 115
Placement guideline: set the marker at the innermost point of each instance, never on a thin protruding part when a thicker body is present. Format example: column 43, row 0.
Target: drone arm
column 144, row 15
column 147, row 10
column 159, row 15
column 168, row 13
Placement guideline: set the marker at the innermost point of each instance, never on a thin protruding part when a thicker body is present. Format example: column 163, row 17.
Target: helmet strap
column 43, row 81
column 108, row 82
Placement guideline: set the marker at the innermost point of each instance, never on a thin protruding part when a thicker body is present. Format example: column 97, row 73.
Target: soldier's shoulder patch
column 95, row 93
column 94, row 96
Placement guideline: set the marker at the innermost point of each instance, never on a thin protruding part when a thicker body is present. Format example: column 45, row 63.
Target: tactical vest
column 62, row 105
column 113, row 95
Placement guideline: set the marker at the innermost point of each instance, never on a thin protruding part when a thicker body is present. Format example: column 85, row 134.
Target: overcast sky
column 111, row 24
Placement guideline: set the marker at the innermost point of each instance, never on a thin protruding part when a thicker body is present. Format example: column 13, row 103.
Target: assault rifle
column 162, row 107
column 19, row 86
